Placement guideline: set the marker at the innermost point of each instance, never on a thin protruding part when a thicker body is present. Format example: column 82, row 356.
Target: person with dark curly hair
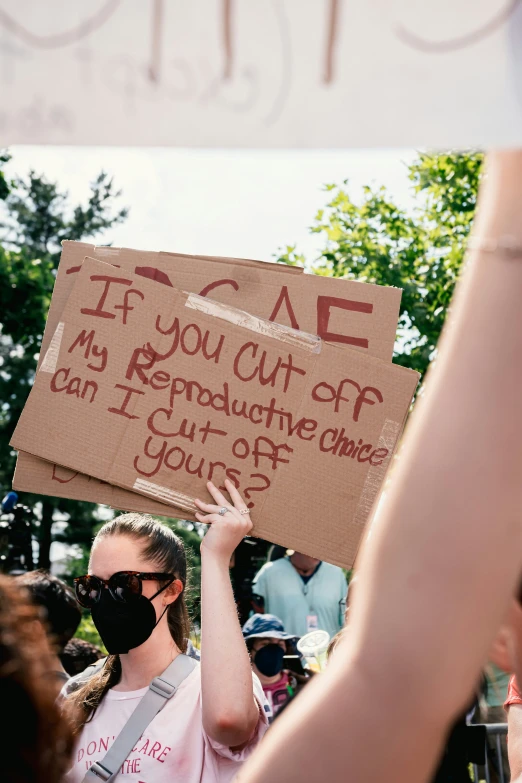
column 35, row 742
column 59, row 613
column 78, row 654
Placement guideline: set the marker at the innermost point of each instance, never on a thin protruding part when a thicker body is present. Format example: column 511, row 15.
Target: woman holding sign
column 195, row 722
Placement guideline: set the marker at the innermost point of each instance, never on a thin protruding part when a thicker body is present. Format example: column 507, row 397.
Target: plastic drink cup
column 313, row 647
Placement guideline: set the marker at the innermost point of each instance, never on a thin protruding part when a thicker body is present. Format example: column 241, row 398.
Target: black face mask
column 124, row 626
column 269, row 659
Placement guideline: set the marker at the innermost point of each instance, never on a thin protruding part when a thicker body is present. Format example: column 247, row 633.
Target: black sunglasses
column 124, row 586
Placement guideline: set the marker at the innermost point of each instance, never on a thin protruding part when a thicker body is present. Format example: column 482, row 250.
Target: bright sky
column 217, row 202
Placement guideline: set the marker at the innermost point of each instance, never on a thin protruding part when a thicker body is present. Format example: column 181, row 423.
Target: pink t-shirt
column 173, row 748
column 277, row 693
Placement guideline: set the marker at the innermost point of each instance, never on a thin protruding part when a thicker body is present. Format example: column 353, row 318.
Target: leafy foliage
column 375, row 241
column 36, row 218
column 4, row 185
column 39, row 218
column 87, row 630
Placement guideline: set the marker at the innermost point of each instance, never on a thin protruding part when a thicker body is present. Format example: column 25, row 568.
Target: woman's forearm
column 230, row 713
column 445, row 553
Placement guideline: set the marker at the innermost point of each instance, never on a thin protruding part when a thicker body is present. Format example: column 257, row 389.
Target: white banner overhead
column 261, row 73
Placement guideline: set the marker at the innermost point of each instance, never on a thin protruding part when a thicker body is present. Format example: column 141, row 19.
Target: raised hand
column 229, row 521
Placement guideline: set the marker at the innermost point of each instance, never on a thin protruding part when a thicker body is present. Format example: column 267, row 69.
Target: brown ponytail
column 165, row 548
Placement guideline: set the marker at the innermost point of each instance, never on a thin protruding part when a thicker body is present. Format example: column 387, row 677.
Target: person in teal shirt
column 306, row 593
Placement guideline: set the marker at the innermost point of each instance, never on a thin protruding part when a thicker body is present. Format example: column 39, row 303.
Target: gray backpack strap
column 161, row 689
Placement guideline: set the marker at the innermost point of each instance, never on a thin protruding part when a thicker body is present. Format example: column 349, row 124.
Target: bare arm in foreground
column 426, row 607
column 515, row 742
column 230, row 712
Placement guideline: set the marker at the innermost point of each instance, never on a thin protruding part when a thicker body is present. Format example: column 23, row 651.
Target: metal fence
column 494, row 770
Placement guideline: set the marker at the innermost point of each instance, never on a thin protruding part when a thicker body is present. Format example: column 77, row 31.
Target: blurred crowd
column 299, row 608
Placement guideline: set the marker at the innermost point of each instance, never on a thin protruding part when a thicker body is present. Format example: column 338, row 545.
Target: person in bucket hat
column 268, row 643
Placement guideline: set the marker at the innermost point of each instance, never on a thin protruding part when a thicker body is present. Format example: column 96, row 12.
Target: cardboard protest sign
column 33, row 474
column 358, row 315
column 156, row 391
column 216, row 73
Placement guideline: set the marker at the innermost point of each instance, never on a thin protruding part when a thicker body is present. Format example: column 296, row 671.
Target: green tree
column 422, row 251
column 37, row 216
column 4, row 186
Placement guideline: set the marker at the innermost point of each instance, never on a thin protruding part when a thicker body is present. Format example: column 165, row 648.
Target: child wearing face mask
column 267, row 645
column 135, row 590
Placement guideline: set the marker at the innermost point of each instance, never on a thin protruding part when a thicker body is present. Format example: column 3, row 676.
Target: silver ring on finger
column 223, row 511
column 244, row 511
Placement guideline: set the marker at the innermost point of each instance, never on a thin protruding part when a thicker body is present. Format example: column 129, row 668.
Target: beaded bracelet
column 506, row 245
